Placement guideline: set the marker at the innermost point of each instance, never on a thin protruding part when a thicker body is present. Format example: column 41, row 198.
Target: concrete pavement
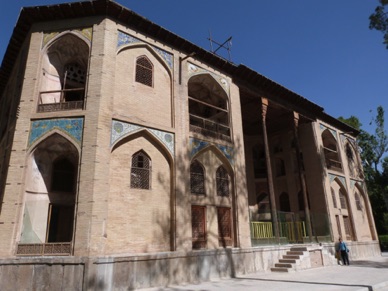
column 367, row 274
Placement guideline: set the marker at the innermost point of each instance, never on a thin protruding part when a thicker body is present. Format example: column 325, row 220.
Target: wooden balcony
column 209, row 128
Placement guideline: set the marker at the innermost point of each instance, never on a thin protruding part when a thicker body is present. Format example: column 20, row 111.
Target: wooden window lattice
column 197, row 178
column 334, row 198
column 222, row 181
column 358, row 201
column 198, row 225
column 348, row 228
column 224, row 226
column 343, row 200
column 144, row 71
column 140, row 171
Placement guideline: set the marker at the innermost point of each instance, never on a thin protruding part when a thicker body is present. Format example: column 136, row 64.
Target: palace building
column 131, row 157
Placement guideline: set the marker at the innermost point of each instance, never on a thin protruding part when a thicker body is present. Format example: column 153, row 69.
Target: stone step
column 284, row 270
column 296, row 253
column 299, row 249
column 291, row 257
column 287, row 261
column 283, row 265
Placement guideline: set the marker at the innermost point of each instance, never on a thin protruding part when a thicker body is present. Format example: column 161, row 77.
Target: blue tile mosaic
column 124, row 39
column 121, row 129
column 195, row 70
column 342, row 179
column 72, row 127
column 197, row 145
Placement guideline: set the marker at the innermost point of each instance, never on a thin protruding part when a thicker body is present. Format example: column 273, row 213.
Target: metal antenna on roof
column 227, row 44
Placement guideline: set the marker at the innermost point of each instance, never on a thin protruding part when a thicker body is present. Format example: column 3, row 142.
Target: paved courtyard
column 368, row 274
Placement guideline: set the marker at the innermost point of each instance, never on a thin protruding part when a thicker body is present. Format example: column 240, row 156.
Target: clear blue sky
column 322, row 50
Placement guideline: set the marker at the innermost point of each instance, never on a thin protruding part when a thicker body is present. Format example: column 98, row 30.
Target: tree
column 373, row 147
column 379, row 20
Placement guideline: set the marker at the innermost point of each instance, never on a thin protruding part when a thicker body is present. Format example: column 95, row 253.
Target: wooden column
column 301, row 175
column 274, row 214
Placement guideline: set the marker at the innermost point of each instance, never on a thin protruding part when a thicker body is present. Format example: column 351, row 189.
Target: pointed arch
column 150, row 50
column 197, row 178
column 222, row 181
column 51, row 179
column 208, row 107
column 220, row 155
column 346, row 210
column 148, row 135
column 364, row 201
column 330, row 149
column 141, row 170
column 64, row 73
column 144, row 71
column 52, row 132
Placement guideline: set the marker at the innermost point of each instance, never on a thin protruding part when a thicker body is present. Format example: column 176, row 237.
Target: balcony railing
column 44, row 249
column 60, row 100
column 209, row 128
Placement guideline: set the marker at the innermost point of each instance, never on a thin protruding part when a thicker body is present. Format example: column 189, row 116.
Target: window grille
column 224, row 226
column 337, row 219
column 222, row 181
column 75, row 73
column 343, row 200
column 197, row 178
column 334, row 198
column 358, row 201
column 144, row 71
column 141, row 171
column 198, row 226
column 348, row 228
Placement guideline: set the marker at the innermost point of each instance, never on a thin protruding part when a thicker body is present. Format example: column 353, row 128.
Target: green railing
column 292, row 228
column 261, row 230
column 293, row 231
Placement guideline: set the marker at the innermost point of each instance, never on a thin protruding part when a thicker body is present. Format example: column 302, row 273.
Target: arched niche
column 330, row 148
column 50, row 191
column 208, row 107
column 64, row 73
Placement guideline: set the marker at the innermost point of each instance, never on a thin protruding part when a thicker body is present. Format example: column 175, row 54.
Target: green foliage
column 379, row 20
column 353, row 121
column 383, row 242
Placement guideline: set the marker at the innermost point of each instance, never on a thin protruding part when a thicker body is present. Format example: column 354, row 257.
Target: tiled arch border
column 121, row 129
column 124, row 39
column 71, row 127
column 196, row 145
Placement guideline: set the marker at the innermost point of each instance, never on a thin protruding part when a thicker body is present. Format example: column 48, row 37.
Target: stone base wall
column 160, row 269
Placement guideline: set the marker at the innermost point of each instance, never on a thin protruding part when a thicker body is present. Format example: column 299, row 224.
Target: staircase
column 291, row 261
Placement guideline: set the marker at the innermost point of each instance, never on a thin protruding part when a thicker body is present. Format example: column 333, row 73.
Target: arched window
column 63, row 176
column 284, row 202
column 358, row 201
column 197, row 178
column 222, row 181
column 343, row 199
column 333, row 197
column 144, row 71
column 141, row 171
